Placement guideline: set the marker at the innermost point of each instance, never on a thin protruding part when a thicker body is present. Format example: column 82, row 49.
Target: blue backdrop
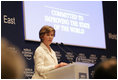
column 12, row 24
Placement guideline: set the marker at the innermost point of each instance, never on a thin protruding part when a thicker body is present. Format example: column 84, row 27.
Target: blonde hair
column 45, row 29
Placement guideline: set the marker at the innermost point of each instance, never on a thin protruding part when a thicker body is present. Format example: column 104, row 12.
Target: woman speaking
column 44, row 57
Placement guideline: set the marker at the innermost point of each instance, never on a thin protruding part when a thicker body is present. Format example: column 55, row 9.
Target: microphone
column 61, row 48
column 69, row 49
column 70, row 62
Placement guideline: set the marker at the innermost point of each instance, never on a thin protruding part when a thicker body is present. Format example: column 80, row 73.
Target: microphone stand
column 61, row 48
column 70, row 51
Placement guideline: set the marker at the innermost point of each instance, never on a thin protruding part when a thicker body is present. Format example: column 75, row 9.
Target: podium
column 77, row 70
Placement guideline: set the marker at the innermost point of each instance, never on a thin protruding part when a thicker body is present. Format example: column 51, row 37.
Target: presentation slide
column 77, row 23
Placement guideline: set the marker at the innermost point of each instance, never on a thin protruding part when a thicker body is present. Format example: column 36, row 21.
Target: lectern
column 77, row 70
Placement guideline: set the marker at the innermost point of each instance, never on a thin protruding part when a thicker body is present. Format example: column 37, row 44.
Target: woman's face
column 48, row 37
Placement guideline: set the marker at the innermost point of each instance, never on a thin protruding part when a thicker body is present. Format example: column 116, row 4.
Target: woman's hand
column 61, row 65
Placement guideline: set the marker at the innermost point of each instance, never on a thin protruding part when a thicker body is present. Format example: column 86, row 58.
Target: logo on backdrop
column 82, row 58
column 28, row 73
column 9, row 20
column 112, row 36
column 92, row 58
column 58, row 55
column 103, row 57
column 28, row 53
column 113, row 57
column 69, row 56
